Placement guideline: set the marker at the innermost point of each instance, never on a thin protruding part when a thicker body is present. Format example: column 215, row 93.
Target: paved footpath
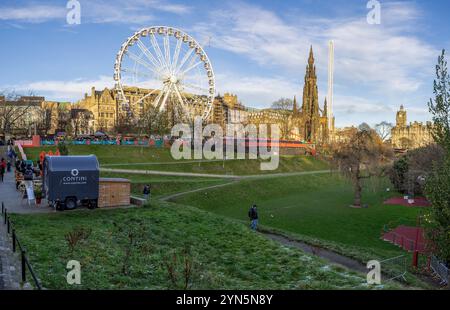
column 10, row 278
column 12, row 198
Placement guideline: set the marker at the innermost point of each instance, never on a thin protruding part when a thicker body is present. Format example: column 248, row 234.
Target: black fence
column 17, row 246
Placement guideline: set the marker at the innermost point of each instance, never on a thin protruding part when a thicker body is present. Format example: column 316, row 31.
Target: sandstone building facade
column 412, row 135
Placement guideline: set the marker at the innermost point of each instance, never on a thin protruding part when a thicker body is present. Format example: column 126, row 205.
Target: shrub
column 398, row 173
column 76, row 236
column 63, row 149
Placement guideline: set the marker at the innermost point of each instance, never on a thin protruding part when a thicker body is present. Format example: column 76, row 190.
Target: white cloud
column 95, row 11
column 129, row 11
column 64, row 90
column 381, row 56
column 255, row 91
column 32, row 13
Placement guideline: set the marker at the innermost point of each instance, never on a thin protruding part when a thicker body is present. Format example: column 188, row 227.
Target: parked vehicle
column 69, row 181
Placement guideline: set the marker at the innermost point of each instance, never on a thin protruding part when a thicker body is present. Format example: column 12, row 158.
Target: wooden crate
column 114, row 192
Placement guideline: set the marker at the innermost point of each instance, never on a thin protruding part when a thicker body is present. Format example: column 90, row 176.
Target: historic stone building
column 103, row 106
column 228, row 110
column 308, row 123
column 414, row 135
column 107, row 112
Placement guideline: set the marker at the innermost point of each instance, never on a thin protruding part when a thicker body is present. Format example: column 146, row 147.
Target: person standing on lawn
column 253, row 215
column 147, row 192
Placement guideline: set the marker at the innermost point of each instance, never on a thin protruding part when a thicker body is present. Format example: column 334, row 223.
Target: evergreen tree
column 438, row 183
column 440, row 106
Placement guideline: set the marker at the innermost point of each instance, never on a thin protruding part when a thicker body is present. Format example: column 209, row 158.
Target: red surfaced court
column 418, row 202
column 407, row 237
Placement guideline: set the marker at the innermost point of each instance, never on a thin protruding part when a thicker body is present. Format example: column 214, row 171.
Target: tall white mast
column 330, row 84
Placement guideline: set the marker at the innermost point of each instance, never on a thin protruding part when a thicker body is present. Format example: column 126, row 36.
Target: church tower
column 401, row 117
column 310, row 106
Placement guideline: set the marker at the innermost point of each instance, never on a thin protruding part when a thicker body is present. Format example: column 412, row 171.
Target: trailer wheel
column 71, row 203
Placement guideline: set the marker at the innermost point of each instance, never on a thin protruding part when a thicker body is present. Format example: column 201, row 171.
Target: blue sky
column 258, row 48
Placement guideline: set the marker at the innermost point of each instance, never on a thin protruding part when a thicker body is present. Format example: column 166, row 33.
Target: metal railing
column 440, row 270
column 395, row 268
column 16, row 245
column 406, row 243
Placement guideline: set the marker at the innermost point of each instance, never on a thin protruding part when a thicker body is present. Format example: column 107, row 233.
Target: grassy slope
column 129, row 155
column 239, row 167
column 226, row 254
column 164, row 185
column 315, row 206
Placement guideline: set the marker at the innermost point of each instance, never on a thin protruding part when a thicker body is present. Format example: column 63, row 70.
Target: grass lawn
column 237, row 167
column 150, row 158
column 110, row 154
column 223, row 253
column 313, row 207
column 163, row 185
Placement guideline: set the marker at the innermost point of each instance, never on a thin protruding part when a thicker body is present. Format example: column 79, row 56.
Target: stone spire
column 311, row 56
column 325, row 108
column 310, row 105
column 295, row 106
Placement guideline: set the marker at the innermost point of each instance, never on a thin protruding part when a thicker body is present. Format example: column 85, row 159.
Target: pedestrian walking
column 253, row 215
column 2, row 169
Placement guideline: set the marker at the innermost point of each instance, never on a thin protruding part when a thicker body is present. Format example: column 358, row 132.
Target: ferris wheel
column 172, row 66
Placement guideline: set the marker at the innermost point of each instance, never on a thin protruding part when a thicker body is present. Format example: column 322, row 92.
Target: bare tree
column 363, row 157
column 364, row 127
column 283, row 104
column 80, row 119
column 383, row 129
column 286, row 125
column 12, row 110
column 44, row 123
column 63, row 122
